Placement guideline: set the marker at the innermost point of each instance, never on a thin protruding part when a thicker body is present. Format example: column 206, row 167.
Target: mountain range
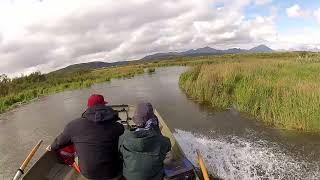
column 205, row 51
column 208, row 51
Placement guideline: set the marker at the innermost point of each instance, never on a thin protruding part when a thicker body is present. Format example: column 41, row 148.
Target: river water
column 234, row 146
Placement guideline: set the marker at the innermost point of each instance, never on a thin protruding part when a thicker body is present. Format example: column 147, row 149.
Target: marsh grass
column 280, row 89
column 55, row 83
column 151, row 70
column 283, row 93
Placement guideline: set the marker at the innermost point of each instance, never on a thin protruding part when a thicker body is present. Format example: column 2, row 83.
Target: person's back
column 95, row 136
column 144, row 149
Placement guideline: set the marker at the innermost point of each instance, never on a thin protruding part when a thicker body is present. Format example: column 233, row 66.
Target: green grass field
column 283, row 92
column 280, row 89
column 25, row 90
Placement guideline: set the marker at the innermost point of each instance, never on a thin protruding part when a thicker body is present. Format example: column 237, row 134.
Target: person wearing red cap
column 96, row 99
column 95, row 136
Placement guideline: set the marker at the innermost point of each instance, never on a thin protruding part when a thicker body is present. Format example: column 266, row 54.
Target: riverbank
column 50, row 84
column 22, row 90
column 14, row 92
column 281, row 92
column 233, row 146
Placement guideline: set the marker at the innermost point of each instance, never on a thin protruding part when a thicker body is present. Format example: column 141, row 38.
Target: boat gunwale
column 176, row 149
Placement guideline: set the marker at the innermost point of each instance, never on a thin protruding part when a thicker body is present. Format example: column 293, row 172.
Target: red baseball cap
column 95, row 99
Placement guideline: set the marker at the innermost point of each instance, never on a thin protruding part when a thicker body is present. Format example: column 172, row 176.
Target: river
column 233, row 145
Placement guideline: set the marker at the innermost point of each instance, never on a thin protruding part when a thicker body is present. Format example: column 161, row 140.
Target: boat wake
column 236, row 158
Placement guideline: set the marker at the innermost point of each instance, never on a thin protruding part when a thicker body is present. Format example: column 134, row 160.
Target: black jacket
column 95, row 136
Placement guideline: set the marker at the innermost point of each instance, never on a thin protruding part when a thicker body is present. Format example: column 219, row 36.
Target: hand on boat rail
column 48, row 148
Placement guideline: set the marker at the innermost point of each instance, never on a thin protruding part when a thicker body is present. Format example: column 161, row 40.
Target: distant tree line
column 15, row 85
column 14, row 91
column 36, row 79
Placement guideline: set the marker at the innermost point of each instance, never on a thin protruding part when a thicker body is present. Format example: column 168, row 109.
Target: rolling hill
column 208, row 51
column 205, row 51
column 261, row 49
column 88, row 66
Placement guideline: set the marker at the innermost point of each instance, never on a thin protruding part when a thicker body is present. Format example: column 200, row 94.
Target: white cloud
column 317, row 15
column 295, row 11
column 262, row 2
column 54, row 33
column 304, row 38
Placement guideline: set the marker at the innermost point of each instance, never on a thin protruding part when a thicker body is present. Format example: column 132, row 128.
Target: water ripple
column 236, row 158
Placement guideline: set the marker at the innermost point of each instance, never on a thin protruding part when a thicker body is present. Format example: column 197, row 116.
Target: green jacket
column 143, row 153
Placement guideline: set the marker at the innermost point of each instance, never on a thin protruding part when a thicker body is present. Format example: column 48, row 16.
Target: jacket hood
column 142, row 141
column 143, row 113
column 101, row 113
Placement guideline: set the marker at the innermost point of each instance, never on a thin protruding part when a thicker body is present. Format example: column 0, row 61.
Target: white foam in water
column 236, row 158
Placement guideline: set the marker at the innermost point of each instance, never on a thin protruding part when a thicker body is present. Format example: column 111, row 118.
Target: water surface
column 234, row 147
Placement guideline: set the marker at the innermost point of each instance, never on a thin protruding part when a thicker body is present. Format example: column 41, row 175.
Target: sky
column 45, row 35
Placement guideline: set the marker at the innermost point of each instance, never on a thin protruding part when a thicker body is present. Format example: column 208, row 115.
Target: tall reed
column 281, row 93
column 58, row 83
